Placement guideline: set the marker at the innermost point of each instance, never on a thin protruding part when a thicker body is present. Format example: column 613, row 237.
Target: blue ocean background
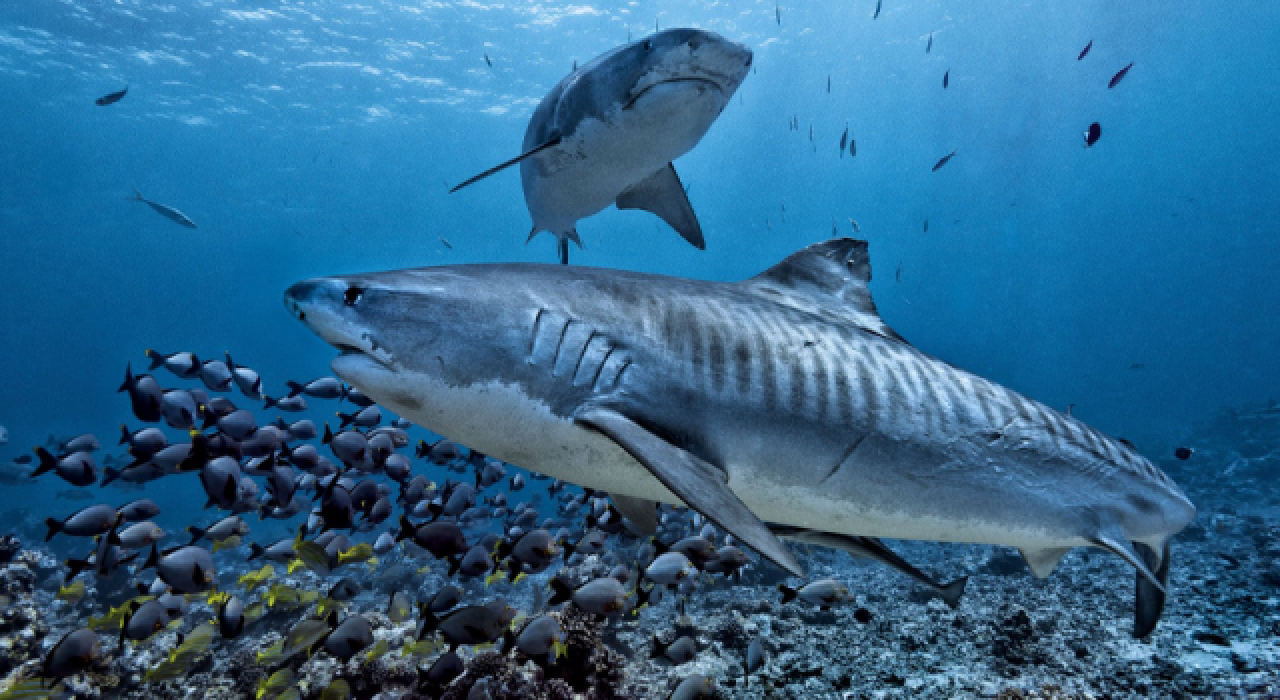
column 1135, row 279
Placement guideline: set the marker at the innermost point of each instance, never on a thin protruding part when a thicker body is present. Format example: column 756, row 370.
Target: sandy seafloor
column 1011, row 636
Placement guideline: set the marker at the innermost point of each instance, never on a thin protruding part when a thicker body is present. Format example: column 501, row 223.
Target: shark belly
column 602, row 158
column 502, row 420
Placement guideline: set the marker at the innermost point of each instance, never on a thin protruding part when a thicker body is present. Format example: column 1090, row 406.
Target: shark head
column 394, row 326
column 682, row 60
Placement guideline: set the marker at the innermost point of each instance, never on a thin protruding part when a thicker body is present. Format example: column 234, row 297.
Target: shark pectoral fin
column 701, row 485
column 642, row 513
column 661, row 193
column 1149, row 599
column 549, row 143
column 1043, row 561
column 1125, row 550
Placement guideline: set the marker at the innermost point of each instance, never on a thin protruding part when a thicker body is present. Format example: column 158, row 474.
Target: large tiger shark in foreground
column 781, row 405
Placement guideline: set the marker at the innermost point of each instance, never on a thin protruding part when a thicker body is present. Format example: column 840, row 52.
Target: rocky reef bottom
column 1012, row 636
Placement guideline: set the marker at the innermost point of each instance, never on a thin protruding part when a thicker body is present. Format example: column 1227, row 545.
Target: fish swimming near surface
column 607, row 133
column 111, row 98
column 946, row 79
column 1092, row 134
column 1085, row 51
column 877, row 14
column 844, row 140
column 164, row 210
column 1115, row 79
column 752, row 402
column 777, row 13
column 943, row 161
column 929, row 46
column 488, row 61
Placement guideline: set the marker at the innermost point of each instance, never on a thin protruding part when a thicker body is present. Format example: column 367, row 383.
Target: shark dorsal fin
column 826, row 278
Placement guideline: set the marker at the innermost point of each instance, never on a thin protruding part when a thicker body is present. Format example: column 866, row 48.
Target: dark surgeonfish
column 1085, row 52
column 112, row 98
column 164, row 210
column 607, row 133
column 943, row 161
column 1115, row 79
column 1092, row 134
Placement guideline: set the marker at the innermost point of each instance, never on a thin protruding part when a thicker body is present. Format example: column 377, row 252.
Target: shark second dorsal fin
column 831, row 277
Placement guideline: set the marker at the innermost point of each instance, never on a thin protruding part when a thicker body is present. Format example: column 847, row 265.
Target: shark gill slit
column 585, row 346
column 533, row 336
column 555, row 356
column 848, row 454
column 617, row 378
column 595, row 380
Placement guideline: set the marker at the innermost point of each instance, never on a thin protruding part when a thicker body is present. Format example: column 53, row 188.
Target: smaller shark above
column 607, row 133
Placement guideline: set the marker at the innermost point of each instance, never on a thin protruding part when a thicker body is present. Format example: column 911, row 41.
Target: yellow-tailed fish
column 493, row 578
column 295, row 565
column 273, row 685
column 165, row 671
column 253, row 579
column 337, row 690
column 216, row 599
column 272, row 655
column 312, row 556
column 254, row 612
column 424, row 569
column 73, row 593
column 560, row 649
column 32, row 689
column 327, row 604
column 378, row 649
column 358, row 553
column 422, row 647
column 372, row 563
column 227, row 543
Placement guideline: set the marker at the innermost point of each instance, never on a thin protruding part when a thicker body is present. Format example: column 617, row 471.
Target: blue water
column 315, row 138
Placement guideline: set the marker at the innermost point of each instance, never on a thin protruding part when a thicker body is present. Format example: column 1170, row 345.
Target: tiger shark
column 607, row 133
column 781, row 405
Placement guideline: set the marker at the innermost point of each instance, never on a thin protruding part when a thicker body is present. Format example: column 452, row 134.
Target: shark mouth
column 647, row 88
column 351, row 353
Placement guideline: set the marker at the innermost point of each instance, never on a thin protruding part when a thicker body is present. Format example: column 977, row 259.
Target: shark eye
column 352, row 295
column 648, row 45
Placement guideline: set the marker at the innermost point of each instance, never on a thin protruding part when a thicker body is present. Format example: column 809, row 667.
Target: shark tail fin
column 1149, row 598
column 137, row 196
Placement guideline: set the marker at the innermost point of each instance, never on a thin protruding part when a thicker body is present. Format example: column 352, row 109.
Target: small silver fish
column 164, row 210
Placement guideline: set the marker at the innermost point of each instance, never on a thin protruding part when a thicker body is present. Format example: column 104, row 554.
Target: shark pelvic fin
column 824, row 278
column 642, row 513
column 661, row 193
column 549, row 143
column 874, row 549
column 701, row 485
column 1149, row 598
column 1123, row 548
column 1043, row 561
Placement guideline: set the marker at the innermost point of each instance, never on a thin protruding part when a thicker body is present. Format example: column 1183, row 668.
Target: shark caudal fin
column 1149, row 598
column 562, row 241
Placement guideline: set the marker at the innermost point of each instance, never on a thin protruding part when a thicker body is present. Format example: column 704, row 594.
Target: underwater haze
column 1129, row 282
